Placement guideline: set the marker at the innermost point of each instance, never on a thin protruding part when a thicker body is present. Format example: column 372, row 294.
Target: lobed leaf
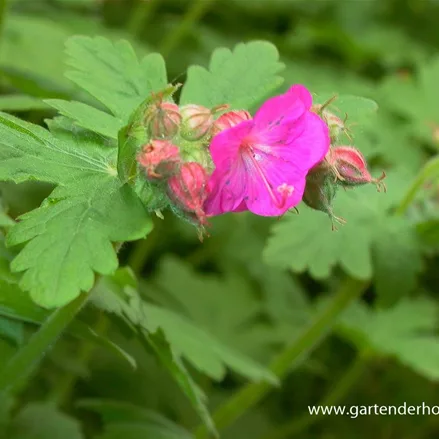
column 69, row 237
column 241, row 77
column 305, row 242
column 406, row 331
column 88, row 117
column 112, row 73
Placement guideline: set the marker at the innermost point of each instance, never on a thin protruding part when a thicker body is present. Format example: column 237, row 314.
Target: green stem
column 142, row 11
column 19, row 368
column 196, row 11
column 252, row 393
column 341, row 389
column 141, row 251
column 62, row 392
column 430, row 169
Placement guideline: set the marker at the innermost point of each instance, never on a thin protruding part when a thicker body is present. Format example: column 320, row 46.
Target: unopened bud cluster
column 176, row 156
column 343, row 166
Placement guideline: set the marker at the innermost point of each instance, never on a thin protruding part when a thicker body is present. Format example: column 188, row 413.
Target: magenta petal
column 227, row 190
column 278, row 110
column 241, row 208
column 302, row 93
column 261, row 165
column 312, row 145
column 273, row 187
column 224, row 147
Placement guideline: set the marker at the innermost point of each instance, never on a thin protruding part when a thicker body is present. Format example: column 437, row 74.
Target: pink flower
column 261, row 164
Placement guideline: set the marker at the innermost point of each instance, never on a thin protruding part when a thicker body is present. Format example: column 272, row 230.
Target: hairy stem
column 142, row 11
column 252, row 393
column 196, row 11
column 20, row 367
column 338, row 392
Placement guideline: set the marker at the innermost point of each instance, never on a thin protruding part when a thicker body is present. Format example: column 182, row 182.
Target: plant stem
column 64, row 388
column 19, row 368
column 142, row 250
column 252, row 393
column 142, row 11
column 338, row 392
column 195, row 12
column 430, row 169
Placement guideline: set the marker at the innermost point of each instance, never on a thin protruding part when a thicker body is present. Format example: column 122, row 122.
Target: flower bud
column 197, row 121
column 230, row 119
column 159, row 158
column 163, row 120
column 335, row 124
column 188, row 189
column 350, row 167
column 320, row 191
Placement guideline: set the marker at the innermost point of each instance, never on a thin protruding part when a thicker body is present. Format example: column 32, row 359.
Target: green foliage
column 365, row 247
column 201, row 317
column 225, row 307
column 416, row 97
column 87, row 211
column 231, row 80
column 113, row 75
column 407, row 332
column 88, row 117
column 207, row 354
column 38, row 421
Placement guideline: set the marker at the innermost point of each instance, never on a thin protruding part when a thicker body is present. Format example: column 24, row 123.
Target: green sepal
column 135, row 134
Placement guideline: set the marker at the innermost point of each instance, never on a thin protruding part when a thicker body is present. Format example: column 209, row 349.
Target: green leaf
column 305, row 242
column 21, row 102
column 205, row 352
column 41, row 421
column 226, row 307
column 416, row 97
column 113, row 74
column 407, row 331
column 29, row 152
column 5, row 220
column 240, row 78
column 15, row 305
column 397, row 260
column 88, row 117
column 175, row 366
column 12, row 330
column 136, row 431
column 356, row 108
column 118, row 412
column 69, row 237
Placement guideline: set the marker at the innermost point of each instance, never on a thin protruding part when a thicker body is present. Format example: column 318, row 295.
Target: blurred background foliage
column 256, row 282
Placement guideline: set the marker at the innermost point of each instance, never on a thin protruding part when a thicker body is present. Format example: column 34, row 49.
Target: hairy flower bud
column 230, row 119
column 159, row 158
column 198, row 121
column 335, row 124
column 162, row 120
column 351, row 168
column 320, row 191
column 188, row 189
